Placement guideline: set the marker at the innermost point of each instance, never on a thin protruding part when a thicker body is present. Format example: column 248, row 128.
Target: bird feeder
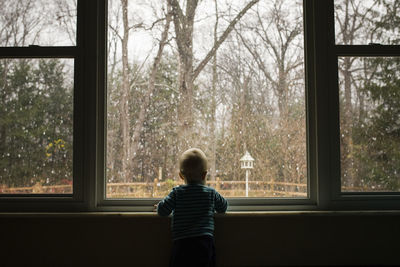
column 246, row 162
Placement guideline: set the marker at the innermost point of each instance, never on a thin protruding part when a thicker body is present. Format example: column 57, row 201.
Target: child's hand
column 155, row 207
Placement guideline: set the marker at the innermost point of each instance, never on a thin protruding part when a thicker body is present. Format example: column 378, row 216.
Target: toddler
column 192, row 205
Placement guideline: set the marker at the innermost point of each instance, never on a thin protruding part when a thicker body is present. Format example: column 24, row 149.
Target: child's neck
column 196, row 182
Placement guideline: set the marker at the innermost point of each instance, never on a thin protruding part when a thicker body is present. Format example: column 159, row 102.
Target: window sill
column 253, row 214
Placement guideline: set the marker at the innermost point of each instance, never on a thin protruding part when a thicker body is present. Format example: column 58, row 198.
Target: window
column 227, row 86
column 39, row 126
column 367, row 38
column 301, row 97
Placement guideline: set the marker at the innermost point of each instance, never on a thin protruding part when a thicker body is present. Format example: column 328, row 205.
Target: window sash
column 239, row 204
column 339, row 199
column 74, row 201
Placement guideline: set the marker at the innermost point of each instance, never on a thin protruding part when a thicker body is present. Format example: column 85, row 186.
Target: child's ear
column 204, row 176
column 181, row 175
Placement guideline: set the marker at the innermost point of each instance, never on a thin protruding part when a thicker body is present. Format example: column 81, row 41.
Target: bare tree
column 276, row 50
column 278, row 40
column 151, row 83
column 131, row 131
column 66, row 17
column 20, row 23
column 183, row 24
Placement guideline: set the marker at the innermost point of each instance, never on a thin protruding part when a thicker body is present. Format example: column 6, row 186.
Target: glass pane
column 36, row 123
column 370, row 123
column 364, row 22
column 249, row 96
column 39, row 22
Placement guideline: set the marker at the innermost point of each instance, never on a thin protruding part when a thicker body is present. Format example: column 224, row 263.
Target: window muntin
column 360, row 22
column 43, row 22
column 370, row 124
column 36, row 126
column 254, row 101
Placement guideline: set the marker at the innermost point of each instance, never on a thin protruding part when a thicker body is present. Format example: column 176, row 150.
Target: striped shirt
column 192, row 207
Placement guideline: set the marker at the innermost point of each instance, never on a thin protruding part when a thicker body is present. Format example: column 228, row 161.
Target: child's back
column 192, row 206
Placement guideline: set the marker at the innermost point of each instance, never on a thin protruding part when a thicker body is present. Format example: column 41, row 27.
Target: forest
column 223, row 76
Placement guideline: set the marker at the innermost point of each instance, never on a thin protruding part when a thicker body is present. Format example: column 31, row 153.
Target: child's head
column 193, row 166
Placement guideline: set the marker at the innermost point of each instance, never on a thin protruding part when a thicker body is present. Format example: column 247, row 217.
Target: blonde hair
column 193, row 165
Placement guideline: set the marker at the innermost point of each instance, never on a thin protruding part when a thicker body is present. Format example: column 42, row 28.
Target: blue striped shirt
column 192, row 207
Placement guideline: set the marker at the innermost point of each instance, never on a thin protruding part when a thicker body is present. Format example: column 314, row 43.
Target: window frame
column 77, row 200
column 89, row 132
column 352, row 200
column 235, row 204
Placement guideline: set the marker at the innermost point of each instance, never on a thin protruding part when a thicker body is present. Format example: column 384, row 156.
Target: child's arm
column 221, row 205
column 167, row 205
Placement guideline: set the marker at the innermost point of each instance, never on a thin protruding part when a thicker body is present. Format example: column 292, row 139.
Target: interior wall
column 111, row 239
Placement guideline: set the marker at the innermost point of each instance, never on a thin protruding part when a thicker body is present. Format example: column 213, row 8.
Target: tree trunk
column 185, row 106
column 4, row 91
column 111, row 124
column 347, row 126
column 213, row 137
column 124, row 101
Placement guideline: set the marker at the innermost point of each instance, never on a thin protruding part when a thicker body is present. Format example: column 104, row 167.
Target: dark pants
column 198, row 251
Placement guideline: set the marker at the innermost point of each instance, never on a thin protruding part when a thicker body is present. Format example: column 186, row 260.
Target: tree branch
column 224, row 35
column 257, row 58
column 115, row 31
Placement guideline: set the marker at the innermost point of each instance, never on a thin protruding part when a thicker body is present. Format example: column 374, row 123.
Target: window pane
column 370, row 123
column 249, row 97
column 39, row 22
column 364, row 22
column 36, row 106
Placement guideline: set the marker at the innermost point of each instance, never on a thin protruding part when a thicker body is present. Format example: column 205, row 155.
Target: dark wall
column 310, row 238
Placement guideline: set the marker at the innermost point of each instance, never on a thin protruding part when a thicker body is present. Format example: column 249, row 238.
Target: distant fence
column 226, row 188
column 162, row 188
column 37, row 189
